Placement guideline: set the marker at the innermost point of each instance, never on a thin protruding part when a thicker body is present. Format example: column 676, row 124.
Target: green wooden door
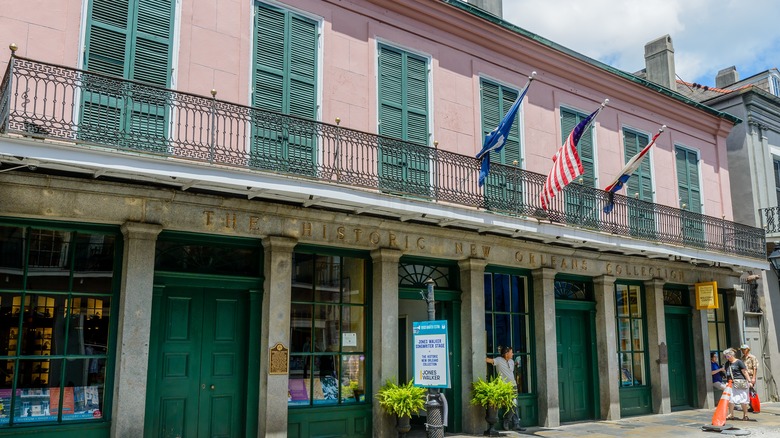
column 680, row 363
column 285, row 82
column 403, row 166
column 689, row 190
column 200, row 341
column 575, row 365
column 502, row 188
column 581, row 205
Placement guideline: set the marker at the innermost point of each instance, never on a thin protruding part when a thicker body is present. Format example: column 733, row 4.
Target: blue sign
column 431, row 355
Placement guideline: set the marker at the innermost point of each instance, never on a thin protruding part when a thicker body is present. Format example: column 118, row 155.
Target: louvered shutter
column 417, row 159
column 153, row 40
column 688, row 179
column 108, row 37
column 580, row 203
column 641, row 180
column 500, row 190
column 391, row 116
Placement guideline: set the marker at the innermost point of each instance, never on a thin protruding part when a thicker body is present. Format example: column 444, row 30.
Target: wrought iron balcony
column 770, row 220
column 50, row 101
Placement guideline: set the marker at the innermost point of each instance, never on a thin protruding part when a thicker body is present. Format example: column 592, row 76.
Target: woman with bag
column 737, row 372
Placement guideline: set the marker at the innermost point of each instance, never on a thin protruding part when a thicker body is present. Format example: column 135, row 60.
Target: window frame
column 644, row 350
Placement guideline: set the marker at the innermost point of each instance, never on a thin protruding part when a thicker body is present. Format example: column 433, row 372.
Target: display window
column 632, row 352
column 56, row 295
column 328, row 313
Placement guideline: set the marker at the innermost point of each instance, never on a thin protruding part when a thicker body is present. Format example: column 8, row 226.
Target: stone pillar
column 134, row 329
column 277, row 270
column 472, row 275
column 657, row 346
column 546, row 347
column 384, row 332
column 606, row 347
column 701, row 356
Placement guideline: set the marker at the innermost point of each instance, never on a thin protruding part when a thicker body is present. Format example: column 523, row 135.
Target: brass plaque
column 278, row 359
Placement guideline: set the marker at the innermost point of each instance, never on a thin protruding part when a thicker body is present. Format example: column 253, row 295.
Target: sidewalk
column 678, row 424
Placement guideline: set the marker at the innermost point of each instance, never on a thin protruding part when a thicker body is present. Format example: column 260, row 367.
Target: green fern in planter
column 495, row 392
column 401, row 400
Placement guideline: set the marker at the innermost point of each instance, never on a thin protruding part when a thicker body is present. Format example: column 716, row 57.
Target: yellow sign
column 707, row 295
column 278, row 359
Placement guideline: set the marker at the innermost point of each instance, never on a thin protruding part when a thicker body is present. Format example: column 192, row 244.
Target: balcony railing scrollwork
column 49, row 101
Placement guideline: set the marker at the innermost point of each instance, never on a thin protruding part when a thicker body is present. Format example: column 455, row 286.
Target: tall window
column 717, row 325
column 581, row 202
column 632, row 355
column 774, row 86
column 57, row 289
column 776, row 164
column 131, row 39
column 328, row 345
column 501, row 190
column 639, row 189
column 285, row 81
column 508, row 322
column 689, row 190
column 403, row 115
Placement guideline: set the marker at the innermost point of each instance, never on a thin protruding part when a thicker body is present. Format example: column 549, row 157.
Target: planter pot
column 403, row 425
column 491, row 416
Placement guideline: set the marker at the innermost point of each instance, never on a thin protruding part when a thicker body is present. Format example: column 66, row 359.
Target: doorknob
column 213, row 387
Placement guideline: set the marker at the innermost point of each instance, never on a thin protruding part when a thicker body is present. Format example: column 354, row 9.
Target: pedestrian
column 505, row 366
column 752, row 365
column 737, row 372
column 718, row 372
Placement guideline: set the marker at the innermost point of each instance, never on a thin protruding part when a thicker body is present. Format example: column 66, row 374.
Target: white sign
column 431, row 366
column 349, row 339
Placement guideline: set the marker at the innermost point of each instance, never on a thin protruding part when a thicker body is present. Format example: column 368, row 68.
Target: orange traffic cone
column 722, row 411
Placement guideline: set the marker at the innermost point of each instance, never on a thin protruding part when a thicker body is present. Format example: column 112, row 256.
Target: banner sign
column 431, row 364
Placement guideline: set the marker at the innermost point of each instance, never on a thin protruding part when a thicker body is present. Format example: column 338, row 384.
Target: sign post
column 431, row 367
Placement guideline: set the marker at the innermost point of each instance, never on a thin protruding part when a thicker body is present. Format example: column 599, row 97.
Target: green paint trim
column 459, row 4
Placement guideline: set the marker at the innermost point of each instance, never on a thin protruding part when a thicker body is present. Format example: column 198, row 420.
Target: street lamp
column 774, row 258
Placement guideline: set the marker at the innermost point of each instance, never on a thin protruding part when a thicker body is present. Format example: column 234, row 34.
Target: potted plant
column 493, row 395
column 401, row 401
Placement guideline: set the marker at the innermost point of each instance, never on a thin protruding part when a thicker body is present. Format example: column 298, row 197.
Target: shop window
column 56, row 293
column 632, row 352
column 508, row 322
column 328, row 345
column 717, row 324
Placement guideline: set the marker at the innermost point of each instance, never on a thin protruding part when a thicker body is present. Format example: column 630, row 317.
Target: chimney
column 726, row 77
column 659, row 62
column 489, row 6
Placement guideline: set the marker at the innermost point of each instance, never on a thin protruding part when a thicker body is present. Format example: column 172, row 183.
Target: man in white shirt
column 505, row 366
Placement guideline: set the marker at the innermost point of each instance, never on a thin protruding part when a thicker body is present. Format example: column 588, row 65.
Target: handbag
column 741, row 384
column 755, row 403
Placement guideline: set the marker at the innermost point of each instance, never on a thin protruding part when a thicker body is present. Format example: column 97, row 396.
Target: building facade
column 217, row 219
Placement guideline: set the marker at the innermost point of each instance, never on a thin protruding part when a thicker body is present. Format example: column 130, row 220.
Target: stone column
column 134, row 329
column 384, row 332
column 472, row 275
column 546, row 347
column 701, row 355
column 657, row 346
column 606, row 347
column 277, row 270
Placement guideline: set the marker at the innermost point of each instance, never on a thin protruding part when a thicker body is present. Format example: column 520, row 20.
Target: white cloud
column 707, row 35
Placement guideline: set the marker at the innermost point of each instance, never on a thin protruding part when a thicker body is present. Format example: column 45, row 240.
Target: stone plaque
column 278, row 359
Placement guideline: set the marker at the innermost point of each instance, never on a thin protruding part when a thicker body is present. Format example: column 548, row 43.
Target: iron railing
column 51, row 101
column 770, row 219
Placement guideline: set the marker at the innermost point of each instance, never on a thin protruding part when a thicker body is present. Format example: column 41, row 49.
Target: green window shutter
column 495, row 102
column 641, row 180
column 107, row 37
column 417, row 99
column 303, row 67
column 403, row 95
column 391, row 117
column 570, row 119
column 688, row 179
column 153, row 42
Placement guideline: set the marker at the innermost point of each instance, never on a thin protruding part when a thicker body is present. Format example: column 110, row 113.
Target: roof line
column 473, row 10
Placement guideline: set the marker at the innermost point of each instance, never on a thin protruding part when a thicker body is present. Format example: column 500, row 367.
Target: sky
column 708, row 35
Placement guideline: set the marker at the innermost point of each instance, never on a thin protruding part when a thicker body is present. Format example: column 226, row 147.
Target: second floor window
column 776, row 163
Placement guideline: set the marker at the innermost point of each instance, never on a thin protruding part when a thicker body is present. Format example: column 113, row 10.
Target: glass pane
column 353, row 283
column 491, row 347
column 518, row 295
column 711, row 315
column 624, row 334
column 626, row 374
column 93, row 266
column 9, row 323
column 722, row 335
column 636, row 301
column 353, row 378
column 43, row 329
column 300, row 328
column 713, row 335
column 207, row 258
column 82, row 397
column 719, row 310
column 302, row 274
column 11, row 257
column 636, row 334
column 327, row 279
column 502, row 331
column 352, row 328
column 326, row 390
column 326, row 327
column 7, row 368
column 48, row 264
column 639, row 369
column 89, row 321
column 299, row 383
column 621, row 300
column 488, row 292
column 523, row 374
column 501, row 293
column 33, row 402
column 518, row 343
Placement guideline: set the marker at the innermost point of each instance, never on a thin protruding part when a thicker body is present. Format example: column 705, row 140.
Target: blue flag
column 496, row 139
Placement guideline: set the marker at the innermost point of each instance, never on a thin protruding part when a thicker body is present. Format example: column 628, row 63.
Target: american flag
column 566, row 162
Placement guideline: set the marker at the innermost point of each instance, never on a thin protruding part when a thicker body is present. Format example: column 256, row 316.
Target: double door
column 198, row 363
